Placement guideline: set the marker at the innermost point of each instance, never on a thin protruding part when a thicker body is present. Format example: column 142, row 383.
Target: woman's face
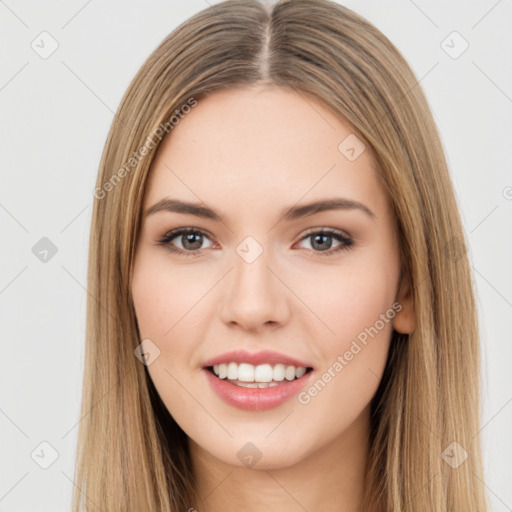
column 262, row 270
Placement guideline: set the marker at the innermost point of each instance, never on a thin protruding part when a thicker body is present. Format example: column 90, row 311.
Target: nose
column 252, row 296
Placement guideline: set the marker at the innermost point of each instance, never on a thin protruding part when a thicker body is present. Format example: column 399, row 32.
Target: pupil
column 322, row 238
column 189, row 237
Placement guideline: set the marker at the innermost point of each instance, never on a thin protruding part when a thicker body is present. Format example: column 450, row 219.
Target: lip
column 256, row 358
column 256, row 399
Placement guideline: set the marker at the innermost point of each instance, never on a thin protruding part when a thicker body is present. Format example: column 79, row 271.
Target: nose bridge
column 251, row 266
column 254, row 296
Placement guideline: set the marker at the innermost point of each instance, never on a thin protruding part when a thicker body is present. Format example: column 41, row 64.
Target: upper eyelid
column 179, row 231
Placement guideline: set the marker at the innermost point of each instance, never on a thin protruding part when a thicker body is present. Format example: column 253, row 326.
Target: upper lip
column 255, row 358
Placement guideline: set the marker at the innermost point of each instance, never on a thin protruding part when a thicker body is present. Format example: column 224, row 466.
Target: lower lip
column 256, row 399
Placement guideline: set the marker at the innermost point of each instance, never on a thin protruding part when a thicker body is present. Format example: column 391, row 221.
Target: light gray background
column 55, row 114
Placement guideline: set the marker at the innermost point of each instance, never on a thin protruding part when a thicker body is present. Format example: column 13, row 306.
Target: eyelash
column 346, row 242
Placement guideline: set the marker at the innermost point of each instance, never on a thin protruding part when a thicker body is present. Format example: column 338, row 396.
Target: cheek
column 353, row 359
column 161, row 301
column 354, row 302
column 346, row 301
column 357, row 352
column 170, row 305
column 161, row 298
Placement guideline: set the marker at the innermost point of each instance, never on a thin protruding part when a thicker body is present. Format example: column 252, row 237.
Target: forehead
column 262, row 146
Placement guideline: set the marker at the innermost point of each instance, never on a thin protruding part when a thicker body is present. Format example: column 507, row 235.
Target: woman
column 281, row 313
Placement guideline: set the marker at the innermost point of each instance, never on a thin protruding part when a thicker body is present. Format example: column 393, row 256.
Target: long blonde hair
column 131, row 454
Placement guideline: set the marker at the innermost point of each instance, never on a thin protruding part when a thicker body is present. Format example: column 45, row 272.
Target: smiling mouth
column 279, row 375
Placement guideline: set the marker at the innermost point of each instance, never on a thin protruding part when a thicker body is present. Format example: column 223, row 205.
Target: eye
column 190, row 239
column 322, row 240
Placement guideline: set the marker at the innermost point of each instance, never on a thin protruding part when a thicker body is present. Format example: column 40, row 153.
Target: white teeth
column 263, row 375
column 278, row 372
column 255, row 384
column 223, row 371
column 232, row 371
column 246, row 372
column 290, row 373
column 300, row 371
column 248, row 384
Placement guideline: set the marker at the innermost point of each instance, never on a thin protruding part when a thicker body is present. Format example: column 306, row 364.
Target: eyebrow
column 288, row 214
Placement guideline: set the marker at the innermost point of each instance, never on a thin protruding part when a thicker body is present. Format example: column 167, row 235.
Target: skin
column 248, row 153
